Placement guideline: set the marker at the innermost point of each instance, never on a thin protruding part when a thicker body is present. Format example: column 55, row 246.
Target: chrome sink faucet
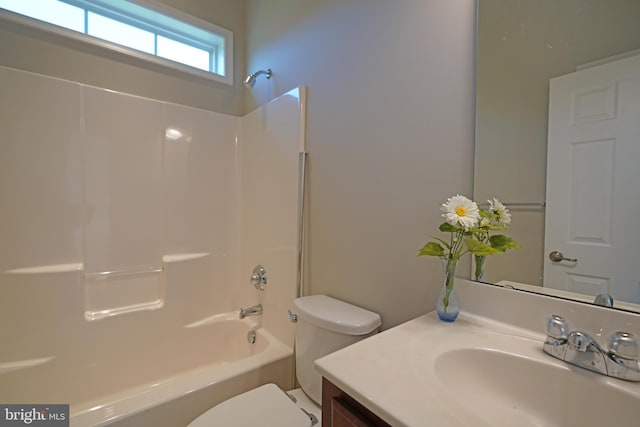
column 255, row 310
column 578, row 348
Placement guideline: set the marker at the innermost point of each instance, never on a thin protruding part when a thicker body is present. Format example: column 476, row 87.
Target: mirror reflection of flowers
column 496, row 217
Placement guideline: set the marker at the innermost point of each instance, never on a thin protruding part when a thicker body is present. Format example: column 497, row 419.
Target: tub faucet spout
column 255, row 310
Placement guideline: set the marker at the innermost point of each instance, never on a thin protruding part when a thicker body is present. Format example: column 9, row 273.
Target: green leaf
column 478, row 248
column 502, row 243
column 446, row 244
column 431, row 249
column 485, row 213
column 497, row 227
column 445, row 227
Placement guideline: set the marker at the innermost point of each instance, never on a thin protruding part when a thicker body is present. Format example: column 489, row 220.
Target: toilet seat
column 266, row 405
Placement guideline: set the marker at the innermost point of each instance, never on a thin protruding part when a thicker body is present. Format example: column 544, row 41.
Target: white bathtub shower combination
column 188, row 382
column 130, row 229
column 189, row 372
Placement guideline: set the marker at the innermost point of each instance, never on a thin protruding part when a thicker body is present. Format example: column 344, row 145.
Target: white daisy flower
column 502, row 213
column 460, row 211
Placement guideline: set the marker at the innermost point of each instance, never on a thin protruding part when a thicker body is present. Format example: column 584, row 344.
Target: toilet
column 323, row 325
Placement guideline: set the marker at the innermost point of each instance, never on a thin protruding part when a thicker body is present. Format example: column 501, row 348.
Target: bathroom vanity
column 339, row 409
column 486, row 369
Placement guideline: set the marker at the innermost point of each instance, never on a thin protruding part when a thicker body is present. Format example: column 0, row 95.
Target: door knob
column 556, row 256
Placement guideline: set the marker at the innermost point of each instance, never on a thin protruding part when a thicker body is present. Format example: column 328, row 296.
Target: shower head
column 250, row 81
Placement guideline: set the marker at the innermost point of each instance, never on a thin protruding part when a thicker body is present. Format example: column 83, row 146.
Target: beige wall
column 389, row 131
column 39, row 52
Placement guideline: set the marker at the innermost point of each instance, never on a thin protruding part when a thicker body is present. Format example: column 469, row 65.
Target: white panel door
column 593, row 181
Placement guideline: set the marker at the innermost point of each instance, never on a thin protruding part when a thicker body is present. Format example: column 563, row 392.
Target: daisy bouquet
column 469, row 228
column 462, row 216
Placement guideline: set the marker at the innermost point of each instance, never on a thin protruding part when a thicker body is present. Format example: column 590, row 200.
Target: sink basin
column 486, row 369
column 476, row 373
column 503, row 379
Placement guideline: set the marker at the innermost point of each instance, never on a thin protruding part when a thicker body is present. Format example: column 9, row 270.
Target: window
column 142, row 29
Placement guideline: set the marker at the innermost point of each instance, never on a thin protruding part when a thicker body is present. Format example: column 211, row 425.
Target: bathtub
column 158, row 382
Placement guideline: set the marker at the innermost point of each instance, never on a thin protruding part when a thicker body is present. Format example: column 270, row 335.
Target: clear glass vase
column 447, row 305
column 478, row 271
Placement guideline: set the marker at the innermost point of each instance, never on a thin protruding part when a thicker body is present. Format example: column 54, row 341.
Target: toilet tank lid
column 335, row 315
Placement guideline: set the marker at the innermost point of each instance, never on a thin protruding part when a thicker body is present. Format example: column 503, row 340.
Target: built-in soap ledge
column 101, row 275
column 116, row 292
column 103, row 314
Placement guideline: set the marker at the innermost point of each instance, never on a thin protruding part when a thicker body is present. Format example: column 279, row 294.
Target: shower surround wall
column 125, row 216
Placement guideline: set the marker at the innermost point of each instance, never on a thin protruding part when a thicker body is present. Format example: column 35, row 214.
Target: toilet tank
column 325, row 325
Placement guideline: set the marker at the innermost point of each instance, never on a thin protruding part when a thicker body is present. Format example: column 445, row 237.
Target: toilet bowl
column 266, row 406
column 323, row 325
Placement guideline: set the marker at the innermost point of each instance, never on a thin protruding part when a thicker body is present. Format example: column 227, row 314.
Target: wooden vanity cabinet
column 341, row 410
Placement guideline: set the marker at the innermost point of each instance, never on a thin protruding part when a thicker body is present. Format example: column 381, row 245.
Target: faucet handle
column 604, row 300
column 557, row 327
column 624, row 345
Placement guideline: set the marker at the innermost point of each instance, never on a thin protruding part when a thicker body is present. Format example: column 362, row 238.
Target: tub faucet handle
column 259, row 277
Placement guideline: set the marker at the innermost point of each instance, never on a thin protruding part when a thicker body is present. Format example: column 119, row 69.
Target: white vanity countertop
column 383, row 372
column 492, row 374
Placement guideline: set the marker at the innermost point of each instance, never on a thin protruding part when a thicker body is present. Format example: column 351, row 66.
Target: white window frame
column 225, row 34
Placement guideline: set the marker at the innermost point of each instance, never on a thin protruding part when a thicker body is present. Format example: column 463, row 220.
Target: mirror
column 521, row 45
